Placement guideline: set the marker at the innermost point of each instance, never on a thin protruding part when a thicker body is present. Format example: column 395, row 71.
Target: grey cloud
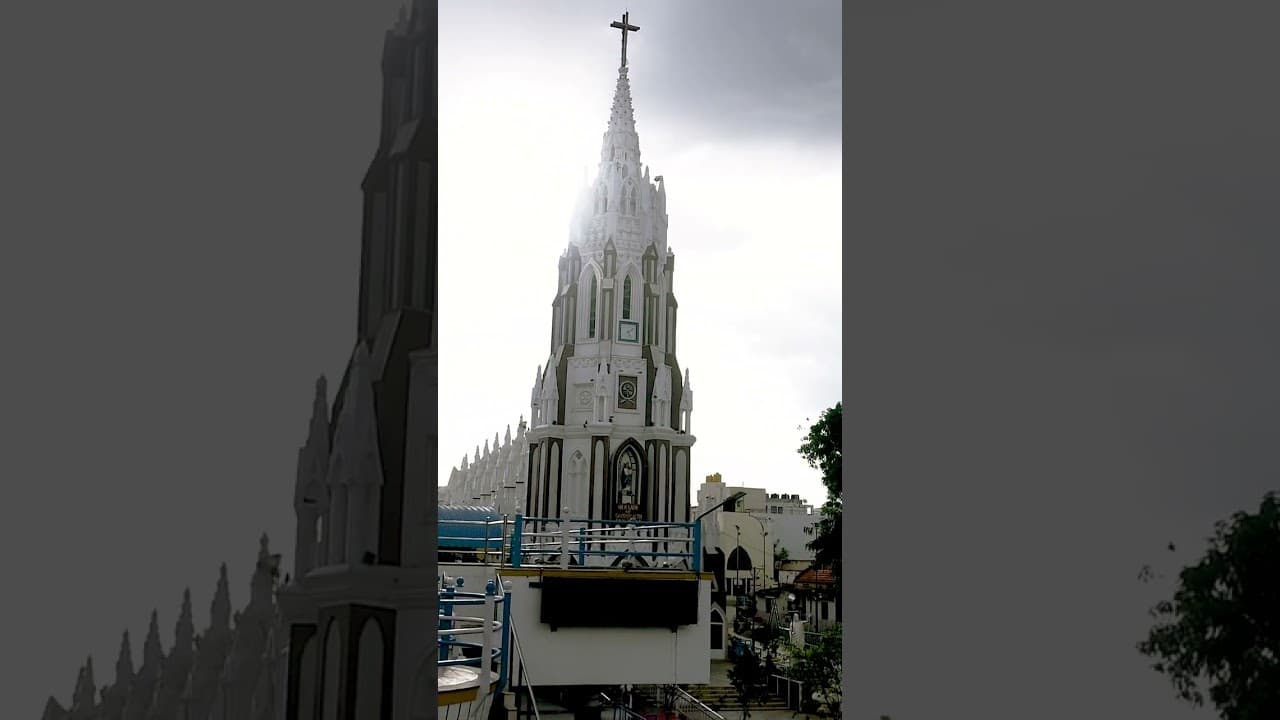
column 718, row 60
column 727, row 70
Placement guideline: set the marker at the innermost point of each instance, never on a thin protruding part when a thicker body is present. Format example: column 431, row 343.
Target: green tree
column 747, row 676
column 1221, row 630
column 819, row 666
column 821, row 449
column 780, row 556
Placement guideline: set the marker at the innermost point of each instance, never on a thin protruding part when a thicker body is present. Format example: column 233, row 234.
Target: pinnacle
column 621, row 132
column 124, row 663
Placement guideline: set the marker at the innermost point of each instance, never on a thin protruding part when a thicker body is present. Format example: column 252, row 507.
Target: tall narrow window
column 591, row 322
column 626, row 298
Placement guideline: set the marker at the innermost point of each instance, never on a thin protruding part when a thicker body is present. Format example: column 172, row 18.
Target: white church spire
column 620, row 137
column 609, row 394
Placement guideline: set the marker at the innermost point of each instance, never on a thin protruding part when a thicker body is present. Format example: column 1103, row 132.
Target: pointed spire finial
column 124, row 661
column 220, row 608
column 86, row 690
column 152, row 651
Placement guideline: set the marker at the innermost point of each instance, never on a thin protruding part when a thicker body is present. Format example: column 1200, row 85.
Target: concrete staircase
column 724, row 700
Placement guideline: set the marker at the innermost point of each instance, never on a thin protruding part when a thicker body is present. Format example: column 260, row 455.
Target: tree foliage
column 819, row 666
column 1221, row 630
column 821, row 448
column 748, row 678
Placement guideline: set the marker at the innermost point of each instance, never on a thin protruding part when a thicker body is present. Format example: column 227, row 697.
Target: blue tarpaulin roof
column 457, row 536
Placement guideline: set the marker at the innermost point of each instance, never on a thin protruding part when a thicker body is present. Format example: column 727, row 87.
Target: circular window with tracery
column 627, row 390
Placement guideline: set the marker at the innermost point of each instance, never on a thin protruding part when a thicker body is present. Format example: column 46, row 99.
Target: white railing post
column 564, row 543
column 486, row 646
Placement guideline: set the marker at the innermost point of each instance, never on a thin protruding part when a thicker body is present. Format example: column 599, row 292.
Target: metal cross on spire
column 625, row 27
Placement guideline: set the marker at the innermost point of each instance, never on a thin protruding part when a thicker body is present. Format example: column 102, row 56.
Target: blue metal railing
column 453, row 626
column 581, row 539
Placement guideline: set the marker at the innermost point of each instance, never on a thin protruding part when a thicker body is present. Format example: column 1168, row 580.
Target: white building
column 744, row 545
column 753, row 536
column 792, row 524
column 608, row 435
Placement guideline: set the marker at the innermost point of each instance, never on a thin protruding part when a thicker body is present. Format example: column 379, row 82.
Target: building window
column 825, row 605
column 591, row 323
column 626, row 298
column 740, row 560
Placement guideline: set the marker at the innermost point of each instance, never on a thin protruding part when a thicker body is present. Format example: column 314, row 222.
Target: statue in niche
column 550, row 398
column 627, row 479
column 627, row 496
column 602, row 393
column 662, row 397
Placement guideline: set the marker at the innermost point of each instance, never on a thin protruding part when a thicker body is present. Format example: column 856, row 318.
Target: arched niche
column 332, row 671
column 369, row 671
column 629, row 490
column 308, row 666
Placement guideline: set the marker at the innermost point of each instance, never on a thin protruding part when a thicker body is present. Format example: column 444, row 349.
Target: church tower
column 360, row 639
column 609, row 433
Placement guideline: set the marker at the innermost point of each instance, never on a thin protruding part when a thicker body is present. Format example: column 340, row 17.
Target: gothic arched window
column 626, row 298
column 591, row 320
column 631, row 200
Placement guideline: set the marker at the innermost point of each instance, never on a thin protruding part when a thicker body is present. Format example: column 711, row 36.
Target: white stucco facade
column 752, row 536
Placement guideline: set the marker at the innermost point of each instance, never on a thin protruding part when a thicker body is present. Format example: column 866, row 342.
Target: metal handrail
column 450, row 626
column 782, row 685
column 618, row 706
column 524, row 667
column 531, row 536
column 687, row 704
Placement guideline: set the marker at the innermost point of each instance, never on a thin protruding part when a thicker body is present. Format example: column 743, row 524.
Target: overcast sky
column 738, row 108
